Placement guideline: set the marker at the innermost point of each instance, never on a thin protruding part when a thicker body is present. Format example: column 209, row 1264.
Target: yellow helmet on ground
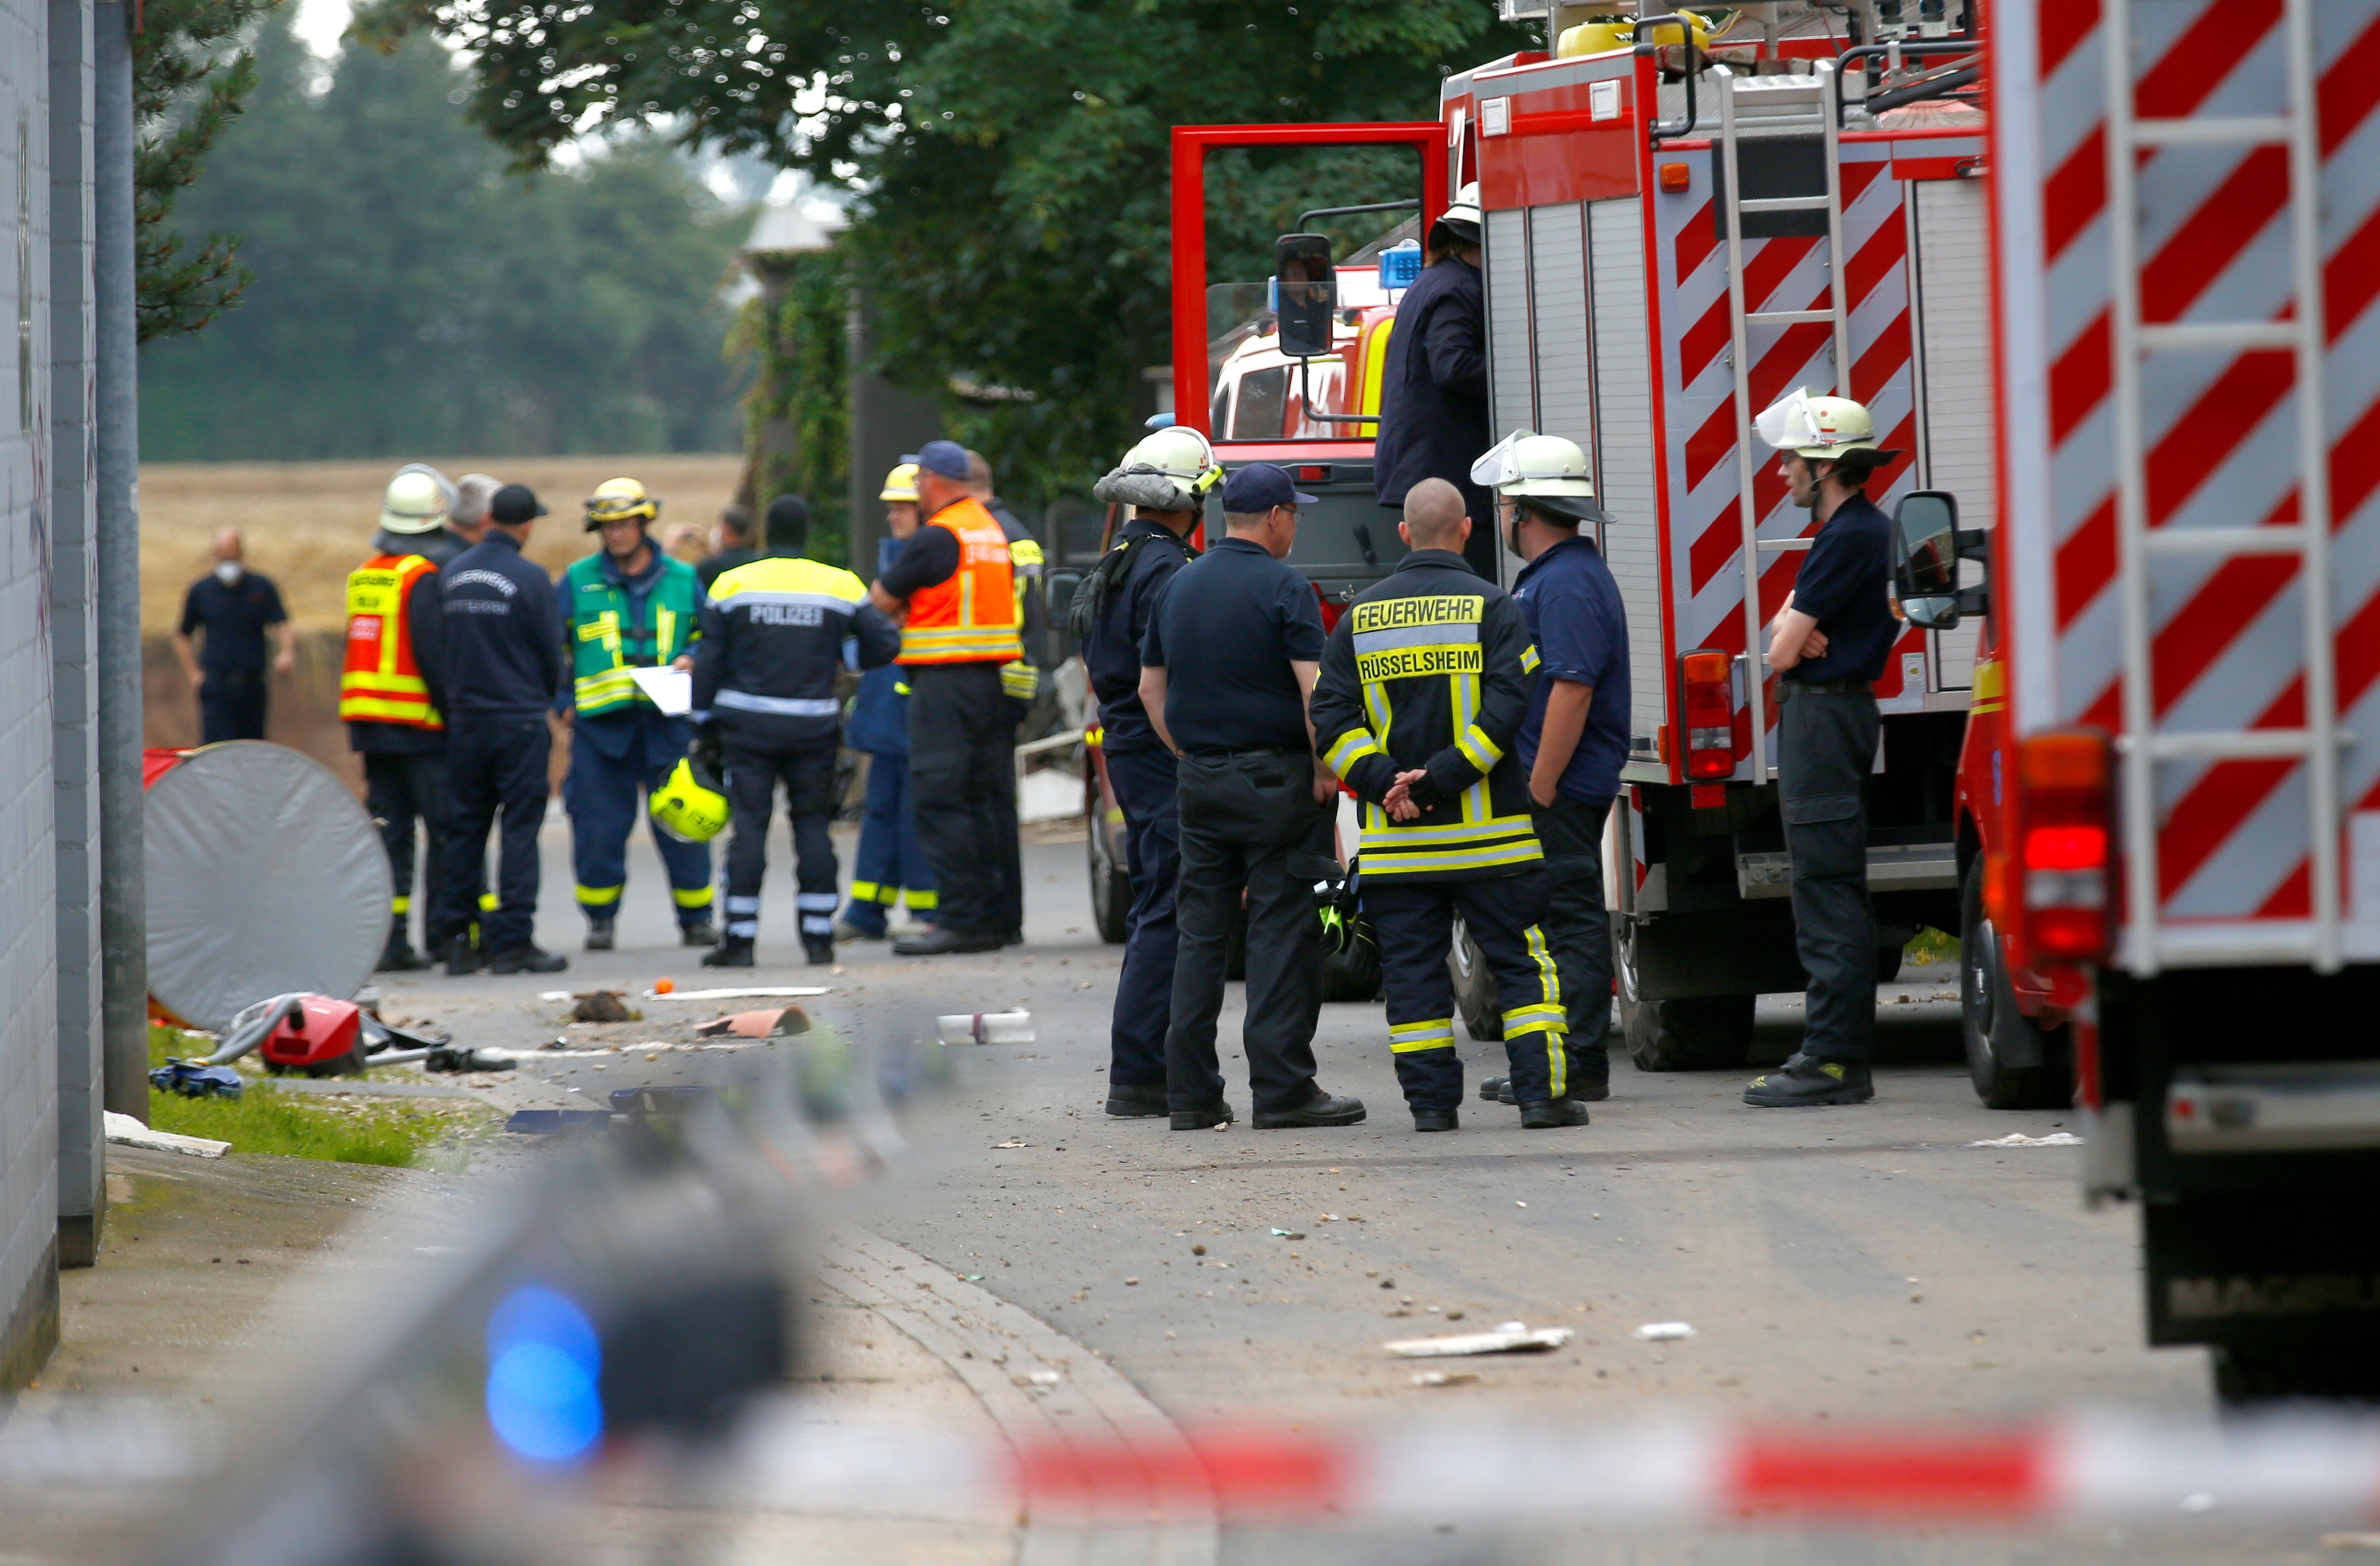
column 901, row 483
column 691, row 804
column 616, row 500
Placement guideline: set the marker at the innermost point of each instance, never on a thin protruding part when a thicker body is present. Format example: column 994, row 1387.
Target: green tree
column 1010, row 154
column 189, row 83
column 415, row 296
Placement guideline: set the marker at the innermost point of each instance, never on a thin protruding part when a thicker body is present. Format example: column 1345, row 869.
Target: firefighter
column 1576, row 736
column 1434, row 379
column 953, row 592
column 1020, row 681
column 385, row 700
column 889, row 866
column 1828, row 645
column 498, row 666
column 772, row 638
column 1425, row 686
column 1164, row 480
column 626, row 606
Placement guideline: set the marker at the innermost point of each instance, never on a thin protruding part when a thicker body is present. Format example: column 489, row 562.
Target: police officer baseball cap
column 946, row 459
column 1257, row 488
column 514, row 504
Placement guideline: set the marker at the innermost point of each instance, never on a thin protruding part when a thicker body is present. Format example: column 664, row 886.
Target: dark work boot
column 819, row 949
column 1436, row 1120
column 1135, row 1101
column 1322, row 1108
column 1497, row 1091
column 599, row 935
column 1590, row 1078
column 1808, row 1080
column 1544, row 1115
column 734, row 952
column 398, row 957
column 1214, row 1115
column 703, row 934
column 527, row 959
column 941, row 940
column 463, row 958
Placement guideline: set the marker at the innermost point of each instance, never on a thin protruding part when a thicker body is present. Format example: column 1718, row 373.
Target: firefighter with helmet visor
column 1164, row 481
column 386, row 699
column 1828, row 645
column 626, row 607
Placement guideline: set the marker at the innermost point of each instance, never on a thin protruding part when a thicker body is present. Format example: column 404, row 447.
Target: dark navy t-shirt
column 234, row 618
column 1226, row 628
column 1581, row 634
column 1846, row 586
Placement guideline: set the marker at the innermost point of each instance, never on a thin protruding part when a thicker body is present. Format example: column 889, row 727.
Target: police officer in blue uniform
column 1575, row 738
column 1828, row 645
column 1164, row 480
column 496, row 667
column 889, row 864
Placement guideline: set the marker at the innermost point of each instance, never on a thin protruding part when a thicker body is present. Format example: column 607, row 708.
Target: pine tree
column 188, row 84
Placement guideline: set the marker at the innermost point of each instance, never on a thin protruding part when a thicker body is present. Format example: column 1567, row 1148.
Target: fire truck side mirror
column 1306, row 286
column 1926, row 559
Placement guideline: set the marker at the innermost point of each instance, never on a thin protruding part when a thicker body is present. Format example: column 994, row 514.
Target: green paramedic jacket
column 1432, row 669
column 607, row 639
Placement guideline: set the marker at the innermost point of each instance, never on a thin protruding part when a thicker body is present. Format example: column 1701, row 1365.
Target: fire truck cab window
column 1257, row 411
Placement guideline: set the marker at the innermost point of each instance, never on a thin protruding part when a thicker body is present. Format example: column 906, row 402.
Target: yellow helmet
column 901, row 483
column 691, row 804
column 616, row 500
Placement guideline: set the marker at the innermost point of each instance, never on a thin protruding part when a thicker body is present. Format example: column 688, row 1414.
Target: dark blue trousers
column 1147, row 787
column 602, row 796
column 494, row 767
column 889, row 862
column 231, row 706
column 1414, row 924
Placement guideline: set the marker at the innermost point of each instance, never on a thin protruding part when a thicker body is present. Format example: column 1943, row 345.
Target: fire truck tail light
column 2064, row 859
column 1707, row 684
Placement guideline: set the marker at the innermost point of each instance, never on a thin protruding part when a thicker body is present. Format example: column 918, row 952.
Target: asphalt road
column 1852, row 1264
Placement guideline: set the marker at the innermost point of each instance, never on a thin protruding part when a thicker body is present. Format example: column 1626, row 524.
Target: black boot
column 942, row 938
column 1436, row 1120
column 1544, row 1115
column 819, row 949
column 599, row 935
column 1322, row 1108
column 398, row 957
column 1497, row 1091
column 1214, row 1115
column 1590, row 1077
column 703, row 934
column 463, row 958
column 527, row 959
column 1135, row 1101
column 1808, row 1080
column 733, row 952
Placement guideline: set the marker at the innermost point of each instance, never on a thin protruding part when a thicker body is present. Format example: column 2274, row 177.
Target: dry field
column 307, row 524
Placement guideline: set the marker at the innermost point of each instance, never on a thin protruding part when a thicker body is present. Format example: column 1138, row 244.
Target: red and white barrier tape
column 2083, row 1467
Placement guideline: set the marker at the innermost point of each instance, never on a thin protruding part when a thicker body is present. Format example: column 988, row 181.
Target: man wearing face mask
column 235, row 606
column 627, row 606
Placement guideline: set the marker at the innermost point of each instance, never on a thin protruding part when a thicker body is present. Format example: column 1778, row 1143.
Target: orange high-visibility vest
column 971, row 616
column 380, row 682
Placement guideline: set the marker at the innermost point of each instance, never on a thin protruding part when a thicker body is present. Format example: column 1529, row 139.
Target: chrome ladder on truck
column 1760, row 108
column 2146, row 946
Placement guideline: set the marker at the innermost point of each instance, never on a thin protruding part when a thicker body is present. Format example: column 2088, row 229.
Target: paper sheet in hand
column 672, row 690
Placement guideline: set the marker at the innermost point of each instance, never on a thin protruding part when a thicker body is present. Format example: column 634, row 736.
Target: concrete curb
column 998, row 1349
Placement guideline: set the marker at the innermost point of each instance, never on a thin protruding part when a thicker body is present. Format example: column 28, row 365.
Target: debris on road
column 985, row 1027
column 757, row 992
column 1290, row 1234
column 601, row 1005
column 1512, row 1338
column 2018, row 1139
column 773, row 1023
column 1011, row 1143
column 1663, row 1331
column 127, row 1132
column 1444, row 1377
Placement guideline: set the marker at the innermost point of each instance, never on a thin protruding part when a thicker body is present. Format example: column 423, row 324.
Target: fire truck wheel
column 1995, row 1030
column 1474, row 991
column 1110, row 876
column 1697, row 1033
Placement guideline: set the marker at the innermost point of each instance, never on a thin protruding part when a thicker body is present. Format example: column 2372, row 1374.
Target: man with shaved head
column 1425, row 685
column 234, row 607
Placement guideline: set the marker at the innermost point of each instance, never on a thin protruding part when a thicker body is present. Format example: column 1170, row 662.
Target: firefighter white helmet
column 1461, row 220
column 1547, row 471
column 1170, row 469
column 417, row 499
column 1820, row 428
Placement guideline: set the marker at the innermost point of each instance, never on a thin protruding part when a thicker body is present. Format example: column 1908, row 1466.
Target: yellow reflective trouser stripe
column 1549, row 971
column 596, row 896
column 870, row 891
column 1383, row 858
column 691, row 897
column 1405, row 1038
column 924, row 901
column 400, row 904
column 1484, row 752
column 1353, row 746
column 1521, row 1019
